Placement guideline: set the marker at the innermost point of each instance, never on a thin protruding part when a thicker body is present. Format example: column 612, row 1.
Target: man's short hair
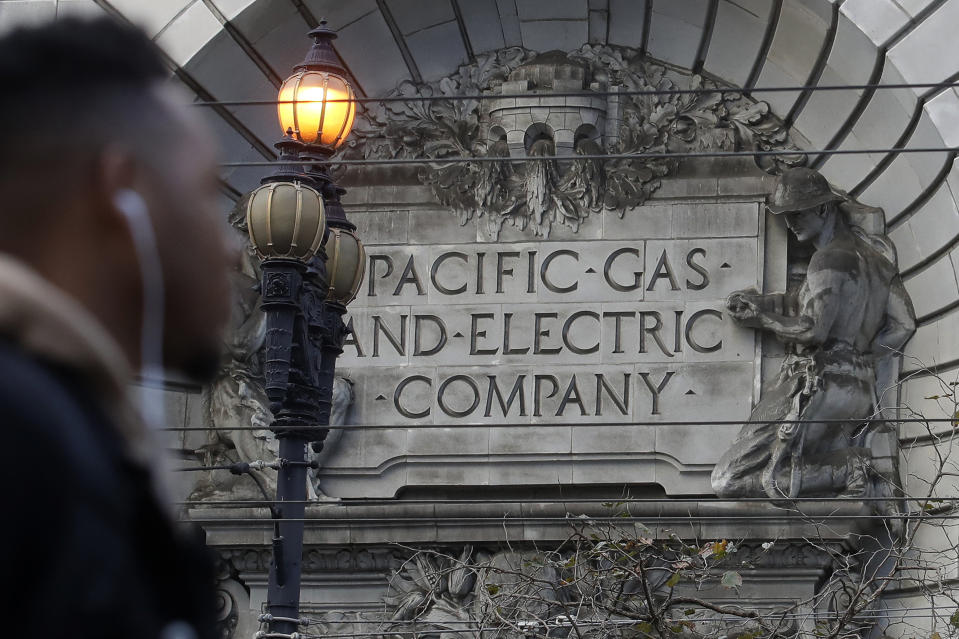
column 58, row 79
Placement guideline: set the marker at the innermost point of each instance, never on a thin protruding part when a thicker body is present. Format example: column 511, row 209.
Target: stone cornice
column 494, row 523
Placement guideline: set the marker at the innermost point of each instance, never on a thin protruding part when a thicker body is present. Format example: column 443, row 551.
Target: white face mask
column 134, row 209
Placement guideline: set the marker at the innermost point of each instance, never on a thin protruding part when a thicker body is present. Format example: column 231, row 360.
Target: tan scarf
column 51, row 325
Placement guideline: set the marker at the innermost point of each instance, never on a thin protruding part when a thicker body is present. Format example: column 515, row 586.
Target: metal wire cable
column 242, row 467
column 719, row 422
column 537, row 629
column 459, row 622
column 312, row 621
column 770, row 615
column 586, row 93
column 510, row 518
column 617, row 501
column 596, row 156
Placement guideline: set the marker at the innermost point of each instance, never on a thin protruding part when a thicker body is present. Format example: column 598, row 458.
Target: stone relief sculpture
column 526, row 592
column 843, row 329
column 436, row 592
column 236, row 404
column 236, row 400
column 535, row 196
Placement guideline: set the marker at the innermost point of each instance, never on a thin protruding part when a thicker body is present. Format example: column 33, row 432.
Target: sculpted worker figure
column 850, row 317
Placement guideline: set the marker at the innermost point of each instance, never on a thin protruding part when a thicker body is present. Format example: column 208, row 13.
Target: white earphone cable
column 134, row 209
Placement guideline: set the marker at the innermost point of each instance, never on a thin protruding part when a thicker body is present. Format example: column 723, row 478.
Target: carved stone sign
column 565, row 360
column 550, row 321
column 618, row 330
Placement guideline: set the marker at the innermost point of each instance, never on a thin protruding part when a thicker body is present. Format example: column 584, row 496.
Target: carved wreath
column 536, row 195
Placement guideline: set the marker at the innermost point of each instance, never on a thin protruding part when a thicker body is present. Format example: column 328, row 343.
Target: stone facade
column 744, row 43
column 528, row 357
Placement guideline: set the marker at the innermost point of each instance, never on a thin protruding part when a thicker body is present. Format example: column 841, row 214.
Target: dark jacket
column 88, row 551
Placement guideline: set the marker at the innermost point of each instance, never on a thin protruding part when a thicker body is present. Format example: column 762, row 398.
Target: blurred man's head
column 87, row 113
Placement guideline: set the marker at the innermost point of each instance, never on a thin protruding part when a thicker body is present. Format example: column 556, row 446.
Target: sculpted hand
column 260, row 419
column 744, row 306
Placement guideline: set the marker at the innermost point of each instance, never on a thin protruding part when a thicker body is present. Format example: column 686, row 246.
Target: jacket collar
column 49, row 324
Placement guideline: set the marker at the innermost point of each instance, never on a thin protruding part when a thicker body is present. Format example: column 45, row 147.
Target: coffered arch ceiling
column 241, row 49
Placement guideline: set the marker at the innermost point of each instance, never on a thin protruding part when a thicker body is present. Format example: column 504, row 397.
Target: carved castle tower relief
column 524, row 117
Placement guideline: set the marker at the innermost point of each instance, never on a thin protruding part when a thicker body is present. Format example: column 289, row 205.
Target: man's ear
column 116, row 169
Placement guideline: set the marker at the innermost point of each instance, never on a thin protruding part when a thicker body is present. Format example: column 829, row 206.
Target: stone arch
column 586, row 132
column 496, row 134
column 747, row 43
column 538, row 132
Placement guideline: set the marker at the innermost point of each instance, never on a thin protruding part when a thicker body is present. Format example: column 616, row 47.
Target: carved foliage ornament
column 537, row 195
column 257, row 560
column 493, row 593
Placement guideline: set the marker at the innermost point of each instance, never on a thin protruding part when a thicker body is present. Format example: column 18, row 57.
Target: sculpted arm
column 900, row 321
column 771, row 302
column 820, row 305
column 899, row 325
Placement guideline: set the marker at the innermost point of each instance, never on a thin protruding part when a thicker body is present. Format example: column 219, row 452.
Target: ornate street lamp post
column 312, row 266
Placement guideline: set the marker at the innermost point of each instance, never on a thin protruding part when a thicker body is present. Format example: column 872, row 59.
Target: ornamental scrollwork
column 605, row 106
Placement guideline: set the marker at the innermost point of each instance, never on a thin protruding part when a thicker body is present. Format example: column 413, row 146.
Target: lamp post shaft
column 283, row 593
column 304, row 337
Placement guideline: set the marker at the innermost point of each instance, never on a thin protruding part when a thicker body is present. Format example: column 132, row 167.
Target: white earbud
column 131, row 204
